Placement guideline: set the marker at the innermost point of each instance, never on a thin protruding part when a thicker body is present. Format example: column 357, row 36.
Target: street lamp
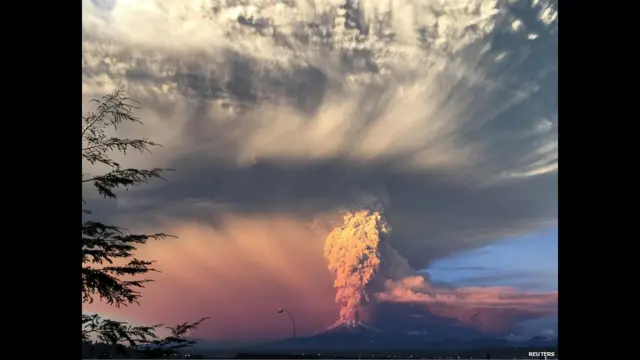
column 293, row 322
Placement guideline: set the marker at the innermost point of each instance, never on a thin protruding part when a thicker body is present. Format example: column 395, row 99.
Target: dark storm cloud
column 461, row 138
column 433, row 212
column 430, row 216
column 268, row 111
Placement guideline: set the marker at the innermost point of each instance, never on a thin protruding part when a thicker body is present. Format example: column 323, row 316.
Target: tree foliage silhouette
column 110, row 271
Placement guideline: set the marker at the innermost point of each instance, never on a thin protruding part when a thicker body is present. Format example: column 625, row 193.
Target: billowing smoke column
column 352, row 252
column 368, row 270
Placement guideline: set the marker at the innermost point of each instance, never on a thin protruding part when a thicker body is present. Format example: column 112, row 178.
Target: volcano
column 350, row 327
column 358, row 336
column 342, row 336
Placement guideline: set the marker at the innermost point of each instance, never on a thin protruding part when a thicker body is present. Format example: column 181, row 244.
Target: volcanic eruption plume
column 368, row 271
column 352, row 252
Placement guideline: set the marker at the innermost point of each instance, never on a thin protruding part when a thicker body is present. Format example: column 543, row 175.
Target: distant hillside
column 350, row 338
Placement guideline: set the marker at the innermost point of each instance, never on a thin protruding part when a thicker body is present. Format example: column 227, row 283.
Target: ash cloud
column 369, row 270
column 294, row 111
column 353, row 255
column 238, row 273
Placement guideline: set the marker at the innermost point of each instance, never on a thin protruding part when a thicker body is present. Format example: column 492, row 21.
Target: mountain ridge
column 362, row 336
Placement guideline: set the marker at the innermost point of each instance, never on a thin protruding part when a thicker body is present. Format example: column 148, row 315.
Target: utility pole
column 293, row 322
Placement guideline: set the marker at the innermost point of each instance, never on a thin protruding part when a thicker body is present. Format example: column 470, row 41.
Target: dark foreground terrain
column 480, row 353
column 362, row 343
column 103, row 352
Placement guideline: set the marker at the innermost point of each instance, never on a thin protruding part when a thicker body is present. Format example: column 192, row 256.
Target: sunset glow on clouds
column 240, row 276
column 486, row 308
column 247, row 268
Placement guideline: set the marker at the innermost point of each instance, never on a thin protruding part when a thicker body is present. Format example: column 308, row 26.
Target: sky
column 280, row 117
column 508, row 262
column 527, row 262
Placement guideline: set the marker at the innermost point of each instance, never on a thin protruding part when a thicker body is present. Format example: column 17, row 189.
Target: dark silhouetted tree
column 110, row 271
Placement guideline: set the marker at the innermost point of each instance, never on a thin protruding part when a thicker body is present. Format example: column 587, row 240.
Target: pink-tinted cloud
column 239, row 276
column 485, row 308
column 246, row 268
